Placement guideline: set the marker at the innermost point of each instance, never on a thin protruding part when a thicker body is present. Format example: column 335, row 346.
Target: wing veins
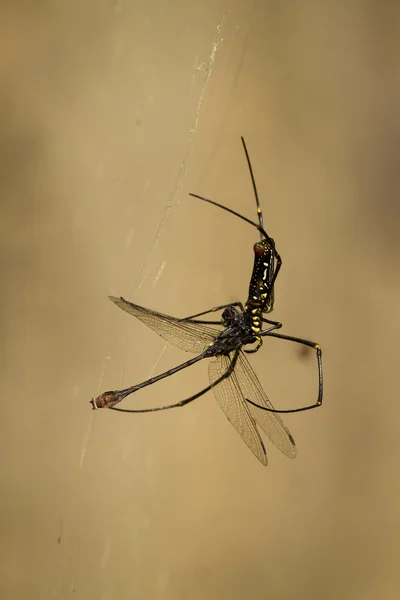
column 271, row 423
column 229, row 396
column 186, row 335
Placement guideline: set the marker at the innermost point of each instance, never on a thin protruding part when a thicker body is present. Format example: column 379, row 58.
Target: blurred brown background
column 111, row 112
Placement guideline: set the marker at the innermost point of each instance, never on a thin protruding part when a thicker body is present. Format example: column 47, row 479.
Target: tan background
column 111, row 112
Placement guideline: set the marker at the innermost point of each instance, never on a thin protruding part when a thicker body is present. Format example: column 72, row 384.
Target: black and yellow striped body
column 261, row 294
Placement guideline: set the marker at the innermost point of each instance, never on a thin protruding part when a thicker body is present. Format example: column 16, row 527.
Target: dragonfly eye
column 230, row 316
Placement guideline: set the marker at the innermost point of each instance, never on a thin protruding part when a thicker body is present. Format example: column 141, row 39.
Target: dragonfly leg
column 256, row 349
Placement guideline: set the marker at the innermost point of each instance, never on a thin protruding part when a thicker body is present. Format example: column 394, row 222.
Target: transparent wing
column 229, row 396
column 188, row 336
column 270, row 423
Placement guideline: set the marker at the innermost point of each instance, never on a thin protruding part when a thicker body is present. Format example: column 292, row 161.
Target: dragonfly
column 241, row 330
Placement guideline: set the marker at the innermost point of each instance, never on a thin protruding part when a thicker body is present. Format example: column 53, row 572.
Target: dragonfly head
column 230, row 316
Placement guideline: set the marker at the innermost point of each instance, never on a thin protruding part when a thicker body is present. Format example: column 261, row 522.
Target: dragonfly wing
column 229, row 396
column 270, row 422
column 186, row 335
